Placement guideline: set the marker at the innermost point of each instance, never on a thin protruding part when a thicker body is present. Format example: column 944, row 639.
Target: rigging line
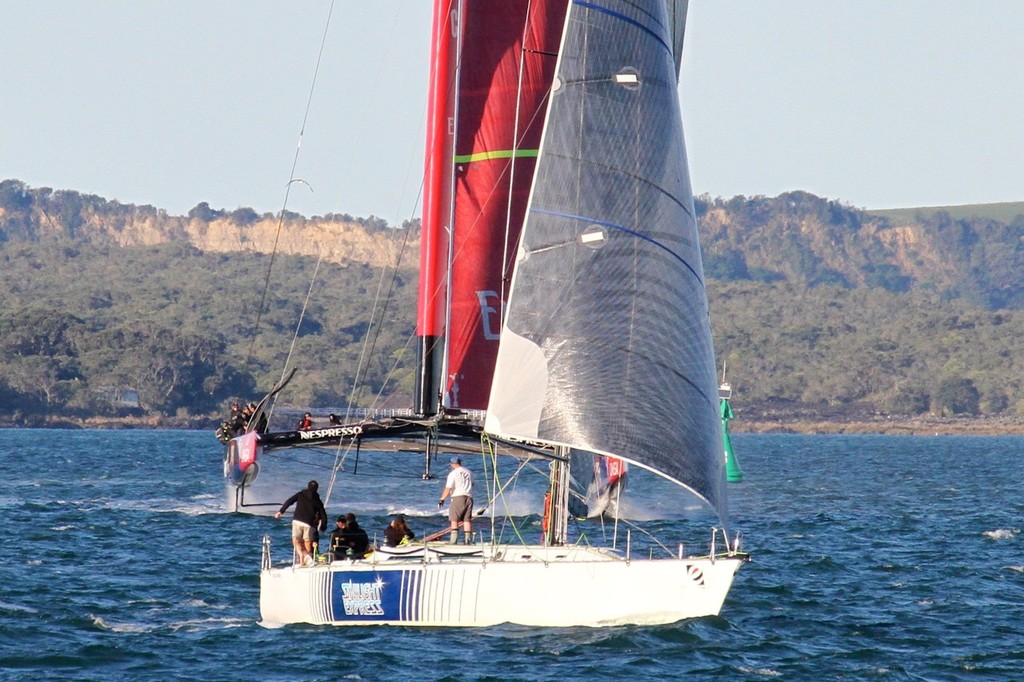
column 374, row 328
column 410, row 337
column 394, row 367
column 512, row 170
column 370, row 346
column 506, row 172
column 287, row 191
column 489, row 450
column 364, row 352
column 298, row 325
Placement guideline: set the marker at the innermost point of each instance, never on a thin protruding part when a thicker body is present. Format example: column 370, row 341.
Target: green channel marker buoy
column 733, row 473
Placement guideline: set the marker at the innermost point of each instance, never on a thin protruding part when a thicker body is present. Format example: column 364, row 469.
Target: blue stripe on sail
column 621, row 228
column 623, row 17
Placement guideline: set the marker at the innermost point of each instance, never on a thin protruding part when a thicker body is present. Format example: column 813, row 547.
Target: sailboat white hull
column 542, row 586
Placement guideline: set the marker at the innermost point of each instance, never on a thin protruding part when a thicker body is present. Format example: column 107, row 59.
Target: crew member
column 459, row 485
column 309, row 514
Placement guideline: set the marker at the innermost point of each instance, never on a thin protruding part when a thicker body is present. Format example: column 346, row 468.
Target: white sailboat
column 562, row 312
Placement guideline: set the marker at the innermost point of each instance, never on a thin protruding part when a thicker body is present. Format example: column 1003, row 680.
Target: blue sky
column 875, row 103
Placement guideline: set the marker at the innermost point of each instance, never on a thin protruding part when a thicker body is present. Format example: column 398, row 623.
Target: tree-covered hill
column 816, row 306
column 809, row 241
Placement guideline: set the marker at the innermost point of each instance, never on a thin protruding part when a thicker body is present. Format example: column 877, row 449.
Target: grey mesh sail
column 606, row 344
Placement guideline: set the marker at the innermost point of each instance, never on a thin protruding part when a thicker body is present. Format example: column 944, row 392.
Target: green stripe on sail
column 499, row 154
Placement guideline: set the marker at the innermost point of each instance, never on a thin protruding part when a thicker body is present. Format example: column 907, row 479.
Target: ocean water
column 874, row 558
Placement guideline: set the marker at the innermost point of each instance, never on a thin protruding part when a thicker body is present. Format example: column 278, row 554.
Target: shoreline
column 775, row 423
column 886, row 426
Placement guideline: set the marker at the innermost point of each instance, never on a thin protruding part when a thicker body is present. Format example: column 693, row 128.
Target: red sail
column 507, row 65
column 436, row 207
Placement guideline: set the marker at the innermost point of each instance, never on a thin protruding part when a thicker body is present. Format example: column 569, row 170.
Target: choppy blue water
column 877, row 558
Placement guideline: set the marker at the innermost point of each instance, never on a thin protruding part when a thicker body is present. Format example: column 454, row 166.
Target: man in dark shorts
column 459, row 485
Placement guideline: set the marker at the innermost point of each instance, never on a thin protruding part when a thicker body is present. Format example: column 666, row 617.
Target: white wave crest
column 6, row 606
column 761, row 672
column 1001, row 533
column 99, row 622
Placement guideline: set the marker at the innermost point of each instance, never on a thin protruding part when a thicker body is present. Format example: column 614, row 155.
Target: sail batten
column 607, row 343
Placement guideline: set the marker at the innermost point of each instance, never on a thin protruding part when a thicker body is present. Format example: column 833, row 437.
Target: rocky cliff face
column 36, row 214
column 797, row 237
column 809, row 240
column 336, row 242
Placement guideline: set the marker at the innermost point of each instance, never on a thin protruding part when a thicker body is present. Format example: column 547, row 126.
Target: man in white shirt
column 460, row 486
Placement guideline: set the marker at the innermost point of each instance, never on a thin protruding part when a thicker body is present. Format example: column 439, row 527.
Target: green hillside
column 816, row 307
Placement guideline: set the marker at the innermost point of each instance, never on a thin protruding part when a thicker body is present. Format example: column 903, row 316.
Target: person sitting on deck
column 306, row 423
column 338, row 546
column 348, row 540
column 398, row 533
column 333, row 419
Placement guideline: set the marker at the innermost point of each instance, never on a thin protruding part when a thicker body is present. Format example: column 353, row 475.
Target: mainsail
column 607, row 343
column 489, row 87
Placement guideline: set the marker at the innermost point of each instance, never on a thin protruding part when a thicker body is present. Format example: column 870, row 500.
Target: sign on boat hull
column 484, row 585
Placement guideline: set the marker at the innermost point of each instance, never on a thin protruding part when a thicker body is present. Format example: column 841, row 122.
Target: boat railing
column 373, row 413
column 730, row 548
column 265, row 560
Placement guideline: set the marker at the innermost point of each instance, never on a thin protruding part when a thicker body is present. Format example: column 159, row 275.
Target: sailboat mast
column 458, row 16
column 556, row 502
column 437, row 192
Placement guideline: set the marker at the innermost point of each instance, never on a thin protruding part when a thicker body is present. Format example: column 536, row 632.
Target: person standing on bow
column 309, row 514
column 459, row 485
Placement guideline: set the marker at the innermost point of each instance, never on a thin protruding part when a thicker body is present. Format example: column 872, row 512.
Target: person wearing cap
column 348, row 540
column 459, row 485
column 338, row 546
column 309, row 514
column 247, row 414
column 398, row 533
column 237, row 419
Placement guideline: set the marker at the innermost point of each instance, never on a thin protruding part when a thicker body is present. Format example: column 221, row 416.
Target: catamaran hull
column 548, row 587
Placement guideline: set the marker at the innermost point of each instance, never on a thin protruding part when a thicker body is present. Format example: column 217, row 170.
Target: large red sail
column 437, row 203
column 508, row 52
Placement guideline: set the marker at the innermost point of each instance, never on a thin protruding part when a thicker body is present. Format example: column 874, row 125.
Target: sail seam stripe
column 621, row 228
column 618, row 15
column 498, row 154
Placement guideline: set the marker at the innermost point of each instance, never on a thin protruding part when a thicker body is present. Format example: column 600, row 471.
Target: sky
column 875, row 103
